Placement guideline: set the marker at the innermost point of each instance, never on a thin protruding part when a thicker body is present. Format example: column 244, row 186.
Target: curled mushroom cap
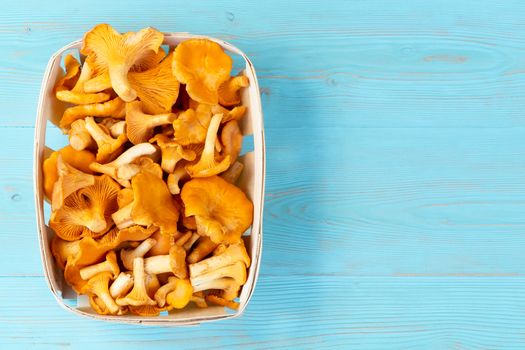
column 139, row 125
column 231, row 139
column 117, row 53
column 153, row 204
column 68, row 81
column 222, row 211
column 207, row 164
column 203, row 66
column 189, row 128
column 157, row 88
column 80, row 98
column 112, row 108
column 180, row 296
column 86, row 212
column 229, row 90
column 172, row 152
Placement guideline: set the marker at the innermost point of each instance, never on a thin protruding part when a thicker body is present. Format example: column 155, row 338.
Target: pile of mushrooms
column 144, row 204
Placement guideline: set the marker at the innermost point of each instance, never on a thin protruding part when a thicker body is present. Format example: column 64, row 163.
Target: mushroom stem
column 128, row 256
column 121, row 285
column 157, row 264
column 79, row 137
column 122, row 217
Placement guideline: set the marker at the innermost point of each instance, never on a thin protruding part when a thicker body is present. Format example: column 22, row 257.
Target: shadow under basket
column 251, row 182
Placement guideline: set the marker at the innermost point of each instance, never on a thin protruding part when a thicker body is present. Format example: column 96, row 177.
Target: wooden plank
column 308, row 312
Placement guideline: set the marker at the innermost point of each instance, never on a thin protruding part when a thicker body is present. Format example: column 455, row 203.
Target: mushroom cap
column 81, row 98
column 69, row 181
column 203, row 66
column 115, row 237
column 157, row 87
column 117, row 53
column 153, row 204
column 188, row 127
column 68, row 81
column 229, row 90
column 172, row 152
column 86, row 212
column 178, row 262
column 181, row 296
column 231, row 139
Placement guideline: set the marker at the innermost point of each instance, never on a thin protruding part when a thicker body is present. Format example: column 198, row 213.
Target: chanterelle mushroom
column 172, row 152
column 112, row 108
column 139, row 125
column 99, row 285
column 107, row 145
column 207, row 164
column 117, row 53
column 222, row 211
column 109, row 265
column 128, row 255
column 229, row 90
column 138, row 295
column 86, row 212
column 174, row 262
column 203, row 66
column 153, row 204
column 69, row 181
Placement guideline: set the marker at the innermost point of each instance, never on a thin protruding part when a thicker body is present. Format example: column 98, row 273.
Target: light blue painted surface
column 395, row 210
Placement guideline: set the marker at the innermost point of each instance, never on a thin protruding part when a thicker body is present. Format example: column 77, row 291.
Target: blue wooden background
column 395, row 198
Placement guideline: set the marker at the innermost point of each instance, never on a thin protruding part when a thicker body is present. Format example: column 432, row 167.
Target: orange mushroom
column 203, row 66
column 229, row 90
column 117, row 53
column 153, row 204
column 70, row 78
column 231, row 139
column 108, row 147
column 69, row 180
column 222, row 211
column 139, row 125
column 86, row 212
column 172, row 152
column 207, row 164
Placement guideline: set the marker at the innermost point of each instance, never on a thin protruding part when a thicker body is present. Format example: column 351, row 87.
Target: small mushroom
column 138, row 295
column 110, row 265
column 181, row 295
column 235, row 252
column 222, row 301
column 71, row 76
column 229, row 287
column 99, row 285
column 121, row 285
column 80, row 98
column 207, row 164
column 79, row 137
column 237, row 271
column 172, row 152
column 108, row 147
column 175, row 177
column 174, row 262
column 231, row 139
column 229, row 90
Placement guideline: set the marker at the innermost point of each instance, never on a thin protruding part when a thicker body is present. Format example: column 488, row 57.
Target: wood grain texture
column 395, row 191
